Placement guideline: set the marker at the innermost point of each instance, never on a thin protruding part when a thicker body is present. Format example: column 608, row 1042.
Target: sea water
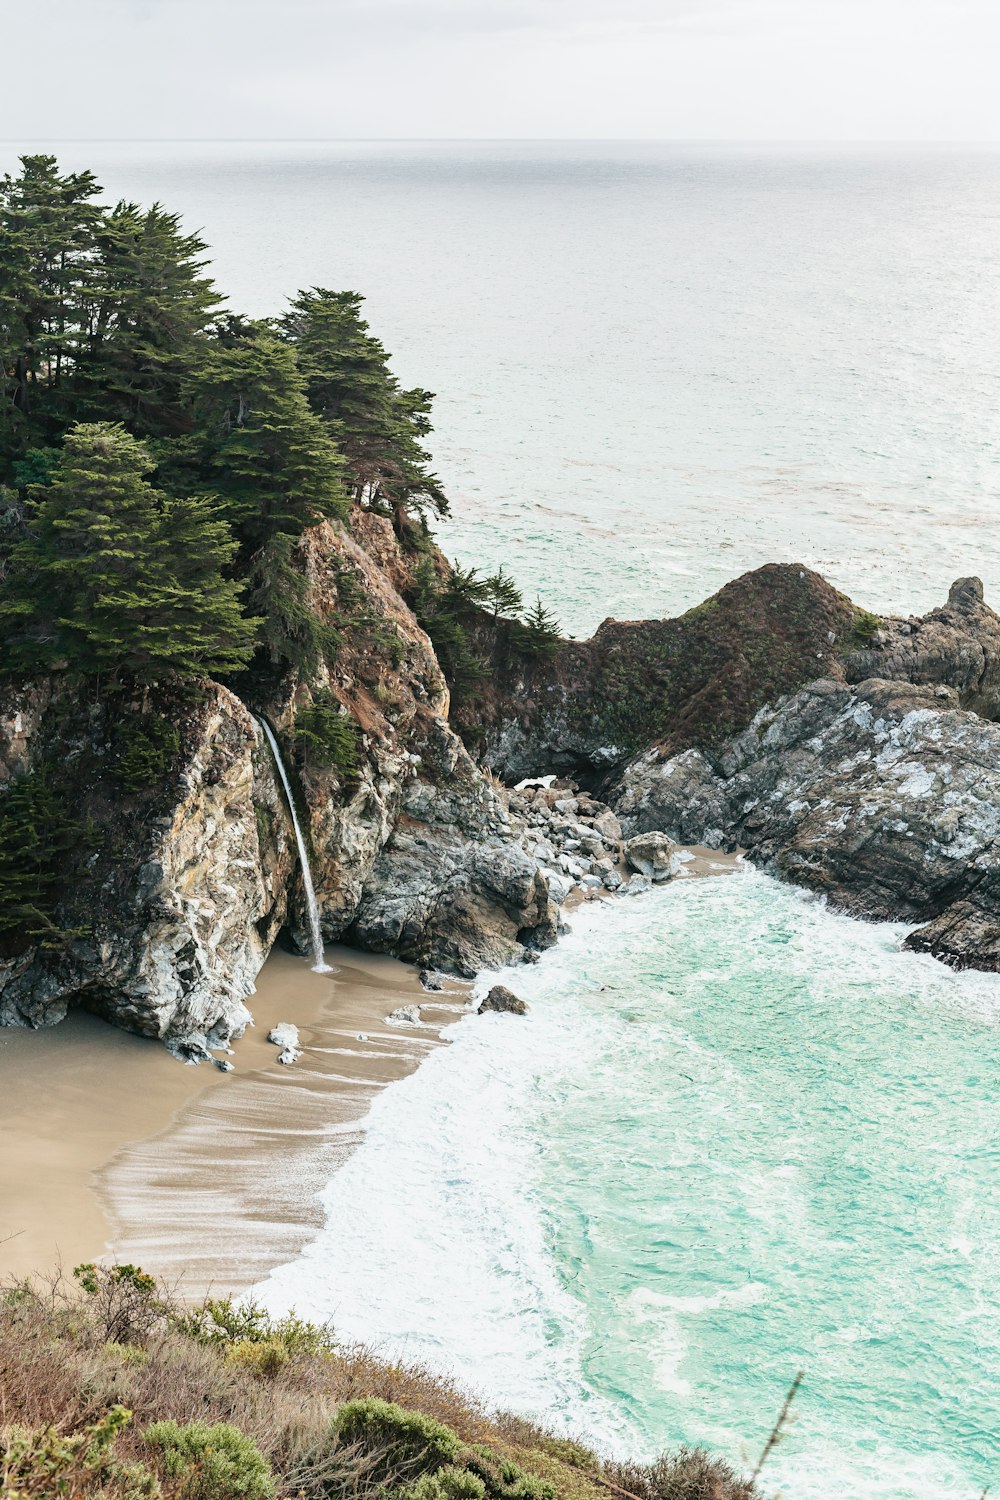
column 657, row 365
column 737, row 1136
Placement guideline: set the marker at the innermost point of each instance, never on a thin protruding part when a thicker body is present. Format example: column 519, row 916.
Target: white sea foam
column 737, row 1134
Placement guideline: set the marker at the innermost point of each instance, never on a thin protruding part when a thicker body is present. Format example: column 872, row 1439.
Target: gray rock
column 879, row 796
column 636, row 885
column 651, row 854
column 289, row 1055
column 559, row 886
column 405, row 1015
column 502, row 999
column 224, row 1066
column 284, row 1035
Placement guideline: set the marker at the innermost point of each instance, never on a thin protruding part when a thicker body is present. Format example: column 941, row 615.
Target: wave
column 737, row 1135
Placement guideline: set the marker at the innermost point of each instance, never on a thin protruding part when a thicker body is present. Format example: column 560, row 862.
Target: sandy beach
column 204, row 1177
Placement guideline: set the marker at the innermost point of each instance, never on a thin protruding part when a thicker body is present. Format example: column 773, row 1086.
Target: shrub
column 212, row 1463
column 688, row 1474
column 327, row 737
column 125, row 1300
column 449, row 1483
column 147, row 748
column 402, row 1444
column 42, row 1464
column 264, row 1358
column 223, row 1320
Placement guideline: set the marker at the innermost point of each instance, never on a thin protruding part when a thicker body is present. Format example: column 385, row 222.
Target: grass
column 112, row 1390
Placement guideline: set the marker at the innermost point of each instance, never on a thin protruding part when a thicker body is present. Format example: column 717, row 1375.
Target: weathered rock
column 878, row 796
column 405, row 1015
column 289, row 1055
column 285, row 1034
column 502, row 999
column 177, row 912
column 651, row 854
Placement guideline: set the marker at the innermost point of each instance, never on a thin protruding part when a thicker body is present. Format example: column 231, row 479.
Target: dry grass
column 282, row 1384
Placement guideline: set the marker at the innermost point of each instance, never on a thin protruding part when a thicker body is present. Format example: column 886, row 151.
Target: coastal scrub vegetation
column 110, row 1389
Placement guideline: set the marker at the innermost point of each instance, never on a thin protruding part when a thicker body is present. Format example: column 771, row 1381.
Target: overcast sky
column 733, row 69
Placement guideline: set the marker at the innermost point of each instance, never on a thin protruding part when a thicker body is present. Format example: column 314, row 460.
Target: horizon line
column 207, row 140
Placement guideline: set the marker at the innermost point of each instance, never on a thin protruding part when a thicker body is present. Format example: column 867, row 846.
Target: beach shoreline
column 200, row 1176
column 207, row 1179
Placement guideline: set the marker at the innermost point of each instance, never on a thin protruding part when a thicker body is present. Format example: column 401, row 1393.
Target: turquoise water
column 739, row 1135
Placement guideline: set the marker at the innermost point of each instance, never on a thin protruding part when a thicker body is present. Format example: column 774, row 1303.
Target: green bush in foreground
column 212, row 1463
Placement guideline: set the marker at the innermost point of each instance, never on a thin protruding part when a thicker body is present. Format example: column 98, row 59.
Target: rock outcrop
column 164, row 927
column 884, row 797
column 854, row 755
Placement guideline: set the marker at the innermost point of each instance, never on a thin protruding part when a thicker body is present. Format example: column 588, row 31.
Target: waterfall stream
column 320, row 966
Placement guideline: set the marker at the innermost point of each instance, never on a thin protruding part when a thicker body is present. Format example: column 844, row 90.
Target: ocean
column 738, row 1135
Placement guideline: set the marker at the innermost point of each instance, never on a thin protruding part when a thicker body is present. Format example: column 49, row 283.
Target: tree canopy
column 160, row 457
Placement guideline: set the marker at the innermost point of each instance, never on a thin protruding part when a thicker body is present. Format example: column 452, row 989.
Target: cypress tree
column 115, row 577
column 148, row 305
column 258, row 443
column 47, row 255
column 377, row 425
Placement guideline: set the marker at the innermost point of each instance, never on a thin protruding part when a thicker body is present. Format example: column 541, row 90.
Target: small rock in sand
column 224, row 1066
column 289, row 1055
column 284, row 1035
column 500, row 998
column 406, row 1015
column 431, row 981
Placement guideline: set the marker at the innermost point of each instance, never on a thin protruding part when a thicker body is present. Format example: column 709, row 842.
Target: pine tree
column 540, row 637
column 259, row 445
column 47, row 255
column 291, row 631
column 147, row 307
column 115, row 577
column 502, row 595
column 378, row 426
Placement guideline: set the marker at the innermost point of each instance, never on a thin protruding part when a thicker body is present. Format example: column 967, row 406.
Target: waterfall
column 320, row 966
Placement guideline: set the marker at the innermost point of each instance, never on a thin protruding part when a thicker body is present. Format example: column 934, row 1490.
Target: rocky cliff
column 854, row 755
column 162, row 914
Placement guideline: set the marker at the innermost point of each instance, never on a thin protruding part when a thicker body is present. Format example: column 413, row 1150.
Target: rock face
column 193, row 877
column 884, row 797
column 178, row 911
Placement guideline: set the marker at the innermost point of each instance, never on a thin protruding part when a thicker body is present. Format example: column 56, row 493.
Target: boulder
column 404, row 1015
column 651, row 854
column 284, row 1035
column 502, row 999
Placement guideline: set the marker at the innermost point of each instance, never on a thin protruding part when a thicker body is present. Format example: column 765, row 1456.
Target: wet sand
column 110, row 1146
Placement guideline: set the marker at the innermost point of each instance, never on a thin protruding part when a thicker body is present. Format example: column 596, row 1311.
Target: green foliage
column 258, row 442
column 147, row 748
column 216, row 1462
column 110, row 331
column 400, row 1443
column 446, row 616
column 223, row 1320
column 449, row 1483
column 264, row 1358
column 539, row 637
column 862, row 632
column 411, row 1450
column 38, row 840
column 116, row 577
column 378, row 426
column 326, row 737
column 291, row 632
column 46, row 1463
column 502, row 597
column 124, row 1299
